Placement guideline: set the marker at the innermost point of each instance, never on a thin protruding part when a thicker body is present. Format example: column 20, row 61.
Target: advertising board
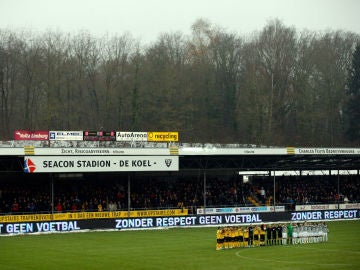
column 65, row 135
column 174, row 221
column 163, row 136
column 127, row 136
column 29, row 135
column 51, row 164
column 99, row 136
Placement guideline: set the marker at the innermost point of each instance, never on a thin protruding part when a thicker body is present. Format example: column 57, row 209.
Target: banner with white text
column 175, row 221
column 30, row 135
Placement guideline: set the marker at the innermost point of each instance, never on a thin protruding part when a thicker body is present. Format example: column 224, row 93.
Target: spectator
column 21, row 195
column 59, row 207
column 262, row 195
column 15, row 207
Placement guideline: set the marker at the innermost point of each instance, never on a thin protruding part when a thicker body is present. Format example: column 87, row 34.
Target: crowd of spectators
column 296, row 190
column 109, row 193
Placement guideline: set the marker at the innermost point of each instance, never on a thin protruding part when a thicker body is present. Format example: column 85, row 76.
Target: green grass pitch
column 191, row 248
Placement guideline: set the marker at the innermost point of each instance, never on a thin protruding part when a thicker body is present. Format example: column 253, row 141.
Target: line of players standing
column 270, row 234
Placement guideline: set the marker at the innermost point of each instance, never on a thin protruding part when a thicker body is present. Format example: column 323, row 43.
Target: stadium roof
column 273, row 162
column 200, row 157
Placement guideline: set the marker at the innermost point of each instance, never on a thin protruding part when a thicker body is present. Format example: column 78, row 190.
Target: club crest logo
column 29, row 166
column 168, row 162
column 52, row 135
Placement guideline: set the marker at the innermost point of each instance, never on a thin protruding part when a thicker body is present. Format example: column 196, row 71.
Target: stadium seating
column 24, row 195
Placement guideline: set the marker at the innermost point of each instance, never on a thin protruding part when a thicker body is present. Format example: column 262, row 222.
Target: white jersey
column 284, row 234
column 295, row 231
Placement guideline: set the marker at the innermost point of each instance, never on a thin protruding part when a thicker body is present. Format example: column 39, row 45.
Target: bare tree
column 117, row 76
column 10, row 47
column 277, row 52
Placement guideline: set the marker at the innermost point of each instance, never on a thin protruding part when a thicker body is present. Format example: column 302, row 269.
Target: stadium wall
column 11, row 227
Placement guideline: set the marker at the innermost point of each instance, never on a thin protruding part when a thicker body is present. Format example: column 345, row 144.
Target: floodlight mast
column 205, row 191
column 274, row 192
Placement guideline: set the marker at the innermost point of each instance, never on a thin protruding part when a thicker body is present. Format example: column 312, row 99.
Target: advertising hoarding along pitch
column 64, row 225
column 237, row 210
column 312, row 207
column 50, row 164
column 92, row 215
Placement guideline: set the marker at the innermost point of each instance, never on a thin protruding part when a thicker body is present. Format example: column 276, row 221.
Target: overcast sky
column 146, row 19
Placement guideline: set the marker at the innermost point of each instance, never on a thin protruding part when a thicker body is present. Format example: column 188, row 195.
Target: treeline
column 277, row 86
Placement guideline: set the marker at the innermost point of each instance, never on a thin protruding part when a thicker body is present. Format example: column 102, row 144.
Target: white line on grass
column 333, row 250
column 290, row 262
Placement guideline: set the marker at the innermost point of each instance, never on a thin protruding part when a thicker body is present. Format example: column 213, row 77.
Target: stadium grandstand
column 207, row 176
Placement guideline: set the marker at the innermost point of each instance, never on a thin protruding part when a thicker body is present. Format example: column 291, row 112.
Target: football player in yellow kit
column 257, row 236
column 220, row 239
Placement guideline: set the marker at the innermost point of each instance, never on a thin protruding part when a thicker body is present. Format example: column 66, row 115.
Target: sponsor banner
column 240, row 210
column 310, row 207
column 132, row 136
column 27, row 135
column 206, row 151
column 50, row 164
column 327, row 151
column 99, row 136
column 91, row 215
column 176, row 221
column 206, row 211
column 279, row 208
column 154, row 213
column 66, row 135
column 350, row 206
column 101, row 151
column 163, row 136
column 213, row 150
column 183, row 151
